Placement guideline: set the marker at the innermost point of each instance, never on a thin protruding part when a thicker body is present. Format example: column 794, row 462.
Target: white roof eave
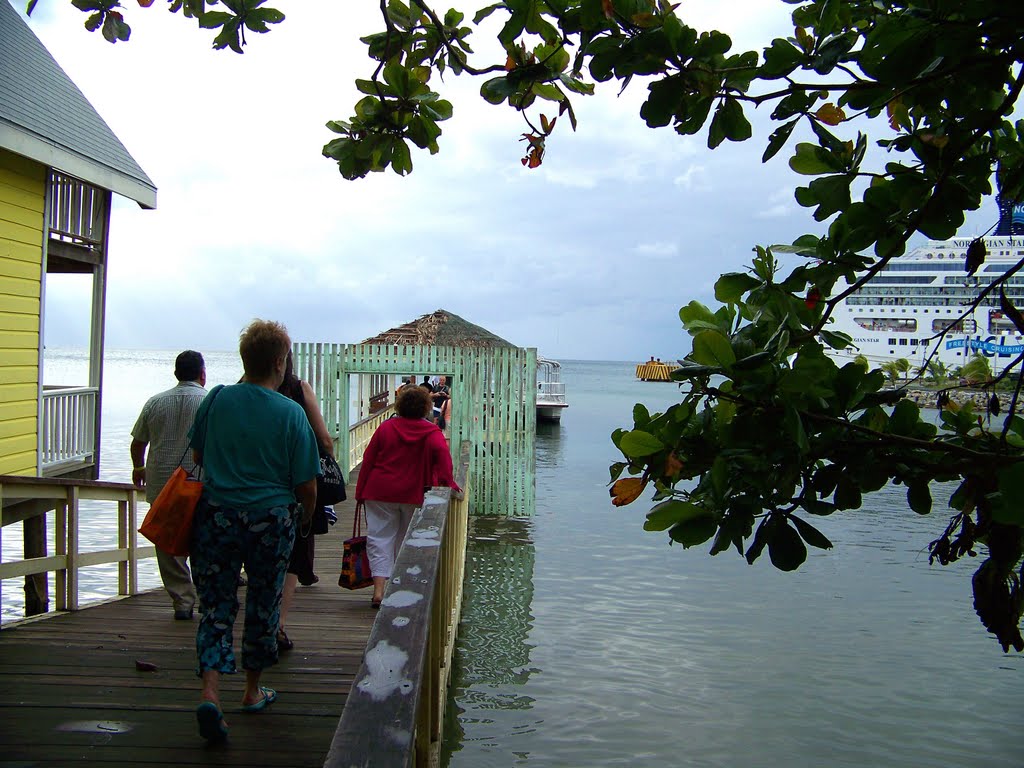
column 53, row 156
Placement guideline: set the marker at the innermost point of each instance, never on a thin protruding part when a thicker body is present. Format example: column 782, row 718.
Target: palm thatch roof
column 441, row 329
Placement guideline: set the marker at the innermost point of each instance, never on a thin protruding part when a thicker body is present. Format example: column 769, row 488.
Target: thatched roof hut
column 442, row 329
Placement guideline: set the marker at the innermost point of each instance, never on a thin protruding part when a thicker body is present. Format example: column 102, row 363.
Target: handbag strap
column 206, row 414
column 357, row 522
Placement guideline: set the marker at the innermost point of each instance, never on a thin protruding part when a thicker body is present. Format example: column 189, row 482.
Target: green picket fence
column 493, row 394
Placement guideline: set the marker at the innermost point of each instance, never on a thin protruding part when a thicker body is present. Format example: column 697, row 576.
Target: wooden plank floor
column 70, row 692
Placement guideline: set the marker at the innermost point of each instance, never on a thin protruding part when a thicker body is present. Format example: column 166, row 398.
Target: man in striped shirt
column 163, row 428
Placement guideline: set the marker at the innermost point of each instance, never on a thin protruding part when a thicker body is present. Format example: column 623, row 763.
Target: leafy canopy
column 937, row 81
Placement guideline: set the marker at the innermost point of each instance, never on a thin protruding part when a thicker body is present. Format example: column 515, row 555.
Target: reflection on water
column 549, row 444
column 492, row 657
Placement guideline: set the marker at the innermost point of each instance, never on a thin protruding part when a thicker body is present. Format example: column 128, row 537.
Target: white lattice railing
column 550, row 392
column 68, row 427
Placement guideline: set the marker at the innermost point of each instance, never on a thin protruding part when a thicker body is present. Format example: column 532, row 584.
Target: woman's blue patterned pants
column 223, row 540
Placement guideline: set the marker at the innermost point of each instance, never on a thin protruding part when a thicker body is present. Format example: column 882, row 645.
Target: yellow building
column 59, row 166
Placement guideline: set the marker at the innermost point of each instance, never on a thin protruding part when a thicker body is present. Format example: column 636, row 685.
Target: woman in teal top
column 259, row 458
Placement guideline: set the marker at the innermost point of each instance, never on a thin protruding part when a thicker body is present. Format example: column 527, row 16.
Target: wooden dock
column 72, row 692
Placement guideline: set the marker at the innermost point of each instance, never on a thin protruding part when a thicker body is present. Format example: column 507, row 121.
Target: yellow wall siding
column 16, row 427
column 22, row 204
column 16, row 374
column 10, row 321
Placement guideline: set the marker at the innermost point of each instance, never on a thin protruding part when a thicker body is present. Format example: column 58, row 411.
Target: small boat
column 550, row 390
column 653, row 370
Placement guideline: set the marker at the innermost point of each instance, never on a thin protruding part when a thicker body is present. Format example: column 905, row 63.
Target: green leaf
column 713, row 348
column 497, row 89
column 663, row 100
column 695, row 531
column 780, row 59
column 794, row 427
column 401, row 159
column 758, row 544
column 831, row 194
column 919, row 497
column 730, row 287
column 483, row 13
column 1011, row 489
column 729, row 123
column 778, row 139
column 904, row 419
column 835, row 339
column 689, row 371
column 637, row 444
column 668, row 513
column 810, row 534
column 811, row 160
column 785, row 547
column 847, row 494
column 695, row 311
column 641, row 416
column 213, row 19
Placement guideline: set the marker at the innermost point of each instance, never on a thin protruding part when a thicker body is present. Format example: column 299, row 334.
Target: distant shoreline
column 926, row 398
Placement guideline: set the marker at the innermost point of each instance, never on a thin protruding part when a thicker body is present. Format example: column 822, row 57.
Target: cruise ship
column 901, row 311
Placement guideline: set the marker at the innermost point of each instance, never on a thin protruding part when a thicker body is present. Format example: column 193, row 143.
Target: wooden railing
column 68, row 427
column 64, row 497
column 359, row 434
column 395, row 709
column 78, row 212
column 68, row 418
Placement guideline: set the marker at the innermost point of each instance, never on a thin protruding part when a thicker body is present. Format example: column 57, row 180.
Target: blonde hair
column 260, row 345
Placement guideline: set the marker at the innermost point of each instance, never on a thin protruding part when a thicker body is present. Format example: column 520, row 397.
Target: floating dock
column 653, row 371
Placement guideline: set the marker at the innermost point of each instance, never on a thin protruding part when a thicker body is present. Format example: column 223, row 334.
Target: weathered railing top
column 378, row 726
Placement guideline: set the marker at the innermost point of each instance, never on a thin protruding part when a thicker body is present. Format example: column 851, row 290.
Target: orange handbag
column 168, row 523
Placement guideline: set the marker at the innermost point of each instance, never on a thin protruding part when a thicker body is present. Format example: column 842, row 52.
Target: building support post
column 37, row 585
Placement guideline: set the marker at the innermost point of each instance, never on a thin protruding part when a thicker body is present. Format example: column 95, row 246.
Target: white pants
column 386, row 525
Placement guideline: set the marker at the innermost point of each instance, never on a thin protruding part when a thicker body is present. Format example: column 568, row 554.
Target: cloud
column 589, row 256
column 657, row 250
column 693, row 178
column 779, row 205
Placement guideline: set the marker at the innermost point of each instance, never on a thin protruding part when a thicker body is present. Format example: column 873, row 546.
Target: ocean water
column 587, row 641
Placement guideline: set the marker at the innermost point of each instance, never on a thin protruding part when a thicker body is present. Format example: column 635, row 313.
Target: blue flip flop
column 269, row 697
column 211, row 722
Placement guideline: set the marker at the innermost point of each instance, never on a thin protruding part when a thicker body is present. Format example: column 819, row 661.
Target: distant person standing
column 163, row 428
column 440, row 397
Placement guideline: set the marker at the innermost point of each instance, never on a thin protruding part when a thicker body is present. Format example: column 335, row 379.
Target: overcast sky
column 588, row 257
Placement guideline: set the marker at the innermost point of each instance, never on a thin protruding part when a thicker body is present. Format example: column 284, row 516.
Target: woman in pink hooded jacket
column 406, row 456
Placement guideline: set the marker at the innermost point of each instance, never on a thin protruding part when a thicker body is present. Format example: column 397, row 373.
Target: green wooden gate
column 493, row 394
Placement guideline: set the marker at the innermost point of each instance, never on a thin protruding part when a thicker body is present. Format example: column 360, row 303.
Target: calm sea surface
column 589, row 642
